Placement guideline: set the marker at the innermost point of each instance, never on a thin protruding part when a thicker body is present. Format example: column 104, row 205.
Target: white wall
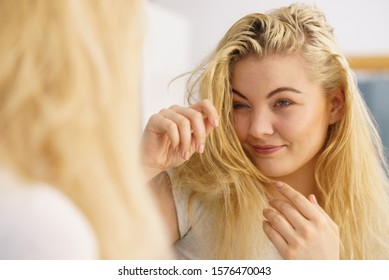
column 186, row 31
column 165, row 56
column 361, row 26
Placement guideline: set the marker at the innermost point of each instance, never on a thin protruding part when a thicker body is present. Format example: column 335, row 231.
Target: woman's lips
column 267, row 150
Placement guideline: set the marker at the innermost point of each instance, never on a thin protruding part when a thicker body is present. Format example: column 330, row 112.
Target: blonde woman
column 280, row 158
column 69, row 177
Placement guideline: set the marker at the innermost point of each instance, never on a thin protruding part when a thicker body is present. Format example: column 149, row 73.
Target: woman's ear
column 336, row 106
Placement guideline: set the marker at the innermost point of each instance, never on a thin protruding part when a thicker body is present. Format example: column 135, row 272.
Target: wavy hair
column 69, row 93
column 351, row 173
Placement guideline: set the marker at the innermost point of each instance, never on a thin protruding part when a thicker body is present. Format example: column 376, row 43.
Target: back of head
column 69, row 99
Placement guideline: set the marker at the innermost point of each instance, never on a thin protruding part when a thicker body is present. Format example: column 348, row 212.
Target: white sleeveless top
column 196, row 246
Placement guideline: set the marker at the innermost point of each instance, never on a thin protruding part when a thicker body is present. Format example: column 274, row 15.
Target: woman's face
column 281, row 116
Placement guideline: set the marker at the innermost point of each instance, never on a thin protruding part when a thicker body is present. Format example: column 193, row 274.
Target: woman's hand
column 299, row 228
column 173, row 135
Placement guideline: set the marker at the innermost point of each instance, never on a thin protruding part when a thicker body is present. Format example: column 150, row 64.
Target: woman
column 69, row 178
column 280, row 158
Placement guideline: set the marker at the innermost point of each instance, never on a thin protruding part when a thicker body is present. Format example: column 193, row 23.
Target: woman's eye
column 283, row 103
column 237, row 106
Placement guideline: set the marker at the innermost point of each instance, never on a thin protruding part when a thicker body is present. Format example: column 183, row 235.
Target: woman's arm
column 161, row 187
column 170, row 138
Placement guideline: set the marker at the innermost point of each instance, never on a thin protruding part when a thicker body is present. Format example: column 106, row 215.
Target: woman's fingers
column 194, row 121
column 280, row 224
column 299, row 228
column 299, row 201
column 309, row 208
column 327, row 218
column 182, row 127
column 186, row 127
column 313, row 200
column 174, row 134
column 160, row 125
column 290, row 214
column 275, row 237
column 202, row 118
column 209, row 111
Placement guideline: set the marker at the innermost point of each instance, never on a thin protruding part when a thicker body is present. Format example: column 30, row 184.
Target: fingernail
column 265, row 226
column 314, row 199
column 279, row 185
column 200, row 149
column 216, row 122
column 185, row 155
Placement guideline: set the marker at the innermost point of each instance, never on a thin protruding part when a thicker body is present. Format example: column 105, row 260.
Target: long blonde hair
column 69, row 99
column 350, row 173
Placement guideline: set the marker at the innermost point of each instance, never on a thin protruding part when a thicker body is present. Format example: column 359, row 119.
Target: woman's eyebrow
column 281, row 89
column 270, row 94
column 234, row 91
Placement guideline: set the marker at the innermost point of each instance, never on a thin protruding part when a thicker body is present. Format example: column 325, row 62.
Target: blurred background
column 179, row 34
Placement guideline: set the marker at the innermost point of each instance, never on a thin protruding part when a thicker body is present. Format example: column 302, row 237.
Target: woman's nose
column 261, row 124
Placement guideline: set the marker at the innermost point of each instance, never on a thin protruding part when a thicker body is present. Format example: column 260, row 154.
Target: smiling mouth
column 267, row 150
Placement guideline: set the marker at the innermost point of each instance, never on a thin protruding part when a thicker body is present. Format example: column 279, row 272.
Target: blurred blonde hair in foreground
column 69, row 84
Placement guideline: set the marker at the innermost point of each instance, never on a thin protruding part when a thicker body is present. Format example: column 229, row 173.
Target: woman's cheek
column 241, row 127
